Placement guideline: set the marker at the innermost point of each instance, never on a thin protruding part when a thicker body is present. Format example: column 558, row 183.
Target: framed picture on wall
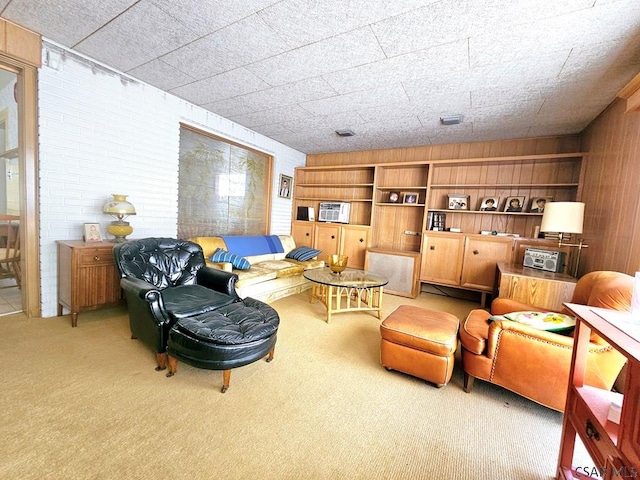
column 285, row 186
column 538, row 204
column 458, row 201
column 410, row 197
column 91, row 232
column 489, row 204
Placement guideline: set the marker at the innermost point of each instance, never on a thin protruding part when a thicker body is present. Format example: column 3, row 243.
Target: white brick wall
column 102, row 133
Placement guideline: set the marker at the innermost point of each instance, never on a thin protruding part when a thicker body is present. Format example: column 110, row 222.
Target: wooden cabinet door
column 630, row 438
column 353, row 243
column 302, row 233
column 442, row 258
column 327, row 239
column 481, row 254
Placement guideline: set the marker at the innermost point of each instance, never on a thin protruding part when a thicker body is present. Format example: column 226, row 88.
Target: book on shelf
column 436, row 221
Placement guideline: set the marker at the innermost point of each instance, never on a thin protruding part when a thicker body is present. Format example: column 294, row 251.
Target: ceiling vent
column 345, row 132
column 451, row 120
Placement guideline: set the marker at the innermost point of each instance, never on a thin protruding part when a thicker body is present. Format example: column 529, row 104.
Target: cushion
column 282, row 268
column 237, row 261
column 303, row 253
column 549, row 321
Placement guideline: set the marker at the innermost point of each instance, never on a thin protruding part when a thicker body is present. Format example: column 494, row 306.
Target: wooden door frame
column 27, row 94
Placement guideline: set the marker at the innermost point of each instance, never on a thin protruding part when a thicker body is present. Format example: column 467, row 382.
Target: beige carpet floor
column 86, row 403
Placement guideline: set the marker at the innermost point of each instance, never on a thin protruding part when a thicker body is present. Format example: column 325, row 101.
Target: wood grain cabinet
column 333, row 238
column 87, row 277
column 465, row 261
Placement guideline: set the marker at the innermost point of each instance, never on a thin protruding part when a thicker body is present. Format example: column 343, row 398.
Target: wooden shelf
column 495, row 186
column 335, row 185
column 399, row 204
column 325, row 199
column 524, row 214
column 406, row 188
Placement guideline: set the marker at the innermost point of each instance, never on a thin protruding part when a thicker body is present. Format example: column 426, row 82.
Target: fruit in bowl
column 337, row 263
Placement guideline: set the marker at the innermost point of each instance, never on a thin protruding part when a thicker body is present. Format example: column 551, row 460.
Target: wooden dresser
column 87, row 277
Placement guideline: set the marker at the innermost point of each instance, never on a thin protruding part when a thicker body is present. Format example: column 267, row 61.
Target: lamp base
column 119, row 229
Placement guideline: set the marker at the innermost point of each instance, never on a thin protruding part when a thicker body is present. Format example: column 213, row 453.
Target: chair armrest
column 141, row 295
column 528, row 334
column 218, row 280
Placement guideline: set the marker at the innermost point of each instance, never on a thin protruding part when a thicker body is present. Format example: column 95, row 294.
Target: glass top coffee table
column 352, row 290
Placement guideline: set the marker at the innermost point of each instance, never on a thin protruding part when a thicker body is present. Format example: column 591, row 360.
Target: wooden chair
column 10, row 248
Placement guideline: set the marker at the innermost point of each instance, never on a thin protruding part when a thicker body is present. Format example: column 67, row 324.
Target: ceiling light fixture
column 451, row 119
column 345, row 132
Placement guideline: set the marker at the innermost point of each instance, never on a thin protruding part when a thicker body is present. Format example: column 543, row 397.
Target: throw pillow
column 549, row 321
column 302, row 254
column 237, row 261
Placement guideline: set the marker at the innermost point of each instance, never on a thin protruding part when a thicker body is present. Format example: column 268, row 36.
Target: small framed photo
column 410, row 197
column 489, row 204
column 514, row 204
column 538, row 204
column 458, row 201
column 92, row 232
column 394, row 197
column 285, row 186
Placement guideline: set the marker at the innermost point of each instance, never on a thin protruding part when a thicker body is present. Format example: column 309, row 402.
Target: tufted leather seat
column 228, row 337
column 165, row 280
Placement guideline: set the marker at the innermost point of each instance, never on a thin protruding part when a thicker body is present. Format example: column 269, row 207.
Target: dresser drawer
column 595, row 438
column 95, row 257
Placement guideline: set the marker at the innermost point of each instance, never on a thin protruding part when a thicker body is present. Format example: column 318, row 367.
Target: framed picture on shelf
column 410, row 197
column 458, row 201
column 394, row 197
column 538, row 204
column 514, row 204
column 91, row 232
column 285, row 186
column 489, row 204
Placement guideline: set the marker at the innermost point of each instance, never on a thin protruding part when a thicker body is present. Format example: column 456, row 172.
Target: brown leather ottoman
column 420, row 342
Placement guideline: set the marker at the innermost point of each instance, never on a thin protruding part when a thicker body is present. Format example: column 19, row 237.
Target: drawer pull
column 333, row 237
column 432, row 247
column 361, row 240
column 97, row 258
column 476, row 252
column 307, row 234
column 591, row 431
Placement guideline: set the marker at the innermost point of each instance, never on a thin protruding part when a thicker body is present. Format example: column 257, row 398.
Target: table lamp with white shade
column 565, row 218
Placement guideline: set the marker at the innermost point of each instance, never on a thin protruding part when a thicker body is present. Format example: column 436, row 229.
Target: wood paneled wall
column 497, row 148
column 611, row 191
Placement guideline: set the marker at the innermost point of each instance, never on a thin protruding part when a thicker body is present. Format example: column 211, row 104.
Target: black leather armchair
column 164, row 280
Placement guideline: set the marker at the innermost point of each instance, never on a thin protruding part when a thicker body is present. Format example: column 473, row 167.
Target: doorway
column 10, row 271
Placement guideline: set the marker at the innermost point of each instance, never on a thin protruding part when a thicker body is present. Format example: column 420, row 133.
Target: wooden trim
column 631, row 93
column 20, row 43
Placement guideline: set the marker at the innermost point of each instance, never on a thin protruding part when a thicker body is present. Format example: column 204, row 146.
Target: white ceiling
column 297, row 70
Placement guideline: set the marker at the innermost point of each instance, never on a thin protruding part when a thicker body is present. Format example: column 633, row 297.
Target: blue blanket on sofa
column 249, row 245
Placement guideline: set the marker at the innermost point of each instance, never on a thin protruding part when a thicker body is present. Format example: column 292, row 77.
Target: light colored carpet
column 86, row 403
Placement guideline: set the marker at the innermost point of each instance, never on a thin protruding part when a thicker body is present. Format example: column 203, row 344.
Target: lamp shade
column 563, row 217
column 119, row 207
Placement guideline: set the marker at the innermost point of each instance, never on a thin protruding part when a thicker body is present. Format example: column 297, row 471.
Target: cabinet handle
column 432, row 247
column 476, row 252
column 307, row 234
column 591, row 431
column 333, row 237
column 361, row 240
column 97, row 258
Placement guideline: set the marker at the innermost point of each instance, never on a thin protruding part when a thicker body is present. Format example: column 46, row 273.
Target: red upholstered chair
column 535, row 363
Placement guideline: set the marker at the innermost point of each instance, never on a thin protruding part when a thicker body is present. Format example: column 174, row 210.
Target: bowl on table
column 337, row 263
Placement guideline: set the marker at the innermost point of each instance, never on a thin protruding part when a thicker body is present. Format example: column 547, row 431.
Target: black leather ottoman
column 228, row 337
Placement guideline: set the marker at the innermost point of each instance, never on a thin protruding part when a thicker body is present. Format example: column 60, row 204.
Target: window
column 224, row 189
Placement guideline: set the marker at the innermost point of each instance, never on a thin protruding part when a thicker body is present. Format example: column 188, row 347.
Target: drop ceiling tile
column 427, row 63
column 384, row 112
column 228, row 107
column 64, row 21
column 160, row 75
column 297, row 20
column 357, row 47
column 392, row 94
column 211, row 15
column 227, row 84
column 288, row 113
column 272, row 129
column 243, row 42
column 327, row 123
column 296, row 92
column 136, row 37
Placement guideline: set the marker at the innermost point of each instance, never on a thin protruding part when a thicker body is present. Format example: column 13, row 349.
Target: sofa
column 535, row 363
column 269, row 273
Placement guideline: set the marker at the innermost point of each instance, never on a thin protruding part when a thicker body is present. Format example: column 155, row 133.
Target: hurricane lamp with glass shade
column 565, row 218
column 119, row 208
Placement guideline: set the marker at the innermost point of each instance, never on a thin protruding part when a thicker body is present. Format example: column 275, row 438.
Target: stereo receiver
column 548, row 260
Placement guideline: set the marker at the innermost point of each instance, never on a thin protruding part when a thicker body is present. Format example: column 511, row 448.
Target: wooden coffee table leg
column 226, row 378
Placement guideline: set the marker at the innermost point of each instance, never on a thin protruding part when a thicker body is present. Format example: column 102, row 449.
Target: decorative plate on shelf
column 394, row 197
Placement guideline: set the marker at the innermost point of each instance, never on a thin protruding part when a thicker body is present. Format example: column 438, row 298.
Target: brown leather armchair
column 535, row 363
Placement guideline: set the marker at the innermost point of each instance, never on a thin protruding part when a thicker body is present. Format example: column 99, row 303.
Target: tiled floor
column 10, row 297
